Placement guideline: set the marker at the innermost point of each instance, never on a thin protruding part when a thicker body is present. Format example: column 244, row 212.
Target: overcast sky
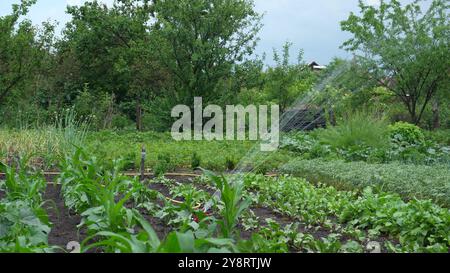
column 312, row 25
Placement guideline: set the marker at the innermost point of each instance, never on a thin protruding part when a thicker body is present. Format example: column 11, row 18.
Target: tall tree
column 202, row 39
column 285, row 82
column 114, row 50
column 403, row 49
column 18, row 49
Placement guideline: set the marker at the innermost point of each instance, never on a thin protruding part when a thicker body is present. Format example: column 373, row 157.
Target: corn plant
column 146, row 241
column 21, row 185
column 109, row 215
column 81, row 178
column 234, row 204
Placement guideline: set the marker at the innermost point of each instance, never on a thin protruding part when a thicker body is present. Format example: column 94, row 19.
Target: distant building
column 304, row 119
column 316, row 67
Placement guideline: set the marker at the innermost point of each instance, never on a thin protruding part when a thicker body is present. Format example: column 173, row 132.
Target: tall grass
column 359, row 129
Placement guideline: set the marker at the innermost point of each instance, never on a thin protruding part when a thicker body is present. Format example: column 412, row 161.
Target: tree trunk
column 138, row 116
column 332, row 117
column 436, row 120
column 109, row 114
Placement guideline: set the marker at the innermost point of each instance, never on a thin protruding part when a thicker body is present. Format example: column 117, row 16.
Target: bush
column 410, row 181
column 403, row 132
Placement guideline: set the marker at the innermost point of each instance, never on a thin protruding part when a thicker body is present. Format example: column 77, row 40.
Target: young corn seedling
column 22, row 185
column 231, row 197
column 146, row 241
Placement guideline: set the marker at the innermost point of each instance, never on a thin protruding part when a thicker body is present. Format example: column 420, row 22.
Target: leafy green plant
column 109, row 216
column 329, row 244
column 22, row 184
column 406, row 132
column 146, row 241
column 419, row 225
column 195, row 161
column 72, row 129
column 387, row 213
column 80, row 179
column 407, row 180
column 143, row 196
column 163, row 165
column 234, row 204
column 23, row 228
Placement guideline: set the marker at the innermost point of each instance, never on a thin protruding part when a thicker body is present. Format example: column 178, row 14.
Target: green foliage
column 23, row 185
column 80, row 180
column 72, row 129
column 163, row 165
column 230, row 163
column 399, row 43
column 358, row 130
column 23, row 229
column 24, row 224
column 419, row 226
column 410, row 181
column 195, row 161
column 20, row 51
column 110, row 215
column 386, row 213
column 234, row 204
column 395, row 150
column 102, row 115
column 203, row 40
column 439, row 136
column 406, row 132
column 285, row 81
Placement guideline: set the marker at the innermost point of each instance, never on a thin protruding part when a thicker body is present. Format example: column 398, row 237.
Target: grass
column 359, row 129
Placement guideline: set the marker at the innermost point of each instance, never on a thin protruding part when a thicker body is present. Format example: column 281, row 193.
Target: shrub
column 404, row 132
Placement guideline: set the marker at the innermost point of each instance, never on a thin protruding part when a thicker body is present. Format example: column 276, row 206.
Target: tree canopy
column 403, row 49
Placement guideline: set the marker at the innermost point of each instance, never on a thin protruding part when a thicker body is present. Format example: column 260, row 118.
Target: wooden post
column 143, row 154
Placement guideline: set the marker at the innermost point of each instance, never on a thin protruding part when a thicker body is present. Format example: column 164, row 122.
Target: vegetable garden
column 105, row 146
column 89, row 204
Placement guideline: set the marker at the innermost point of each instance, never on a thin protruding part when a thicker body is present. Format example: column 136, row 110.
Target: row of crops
column 211, row 213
